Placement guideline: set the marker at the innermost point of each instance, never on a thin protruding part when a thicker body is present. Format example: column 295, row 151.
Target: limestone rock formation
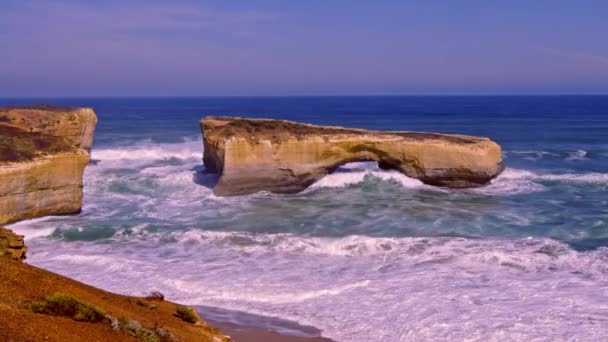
column 12, row 245
column 43, row 153
column 286, row 157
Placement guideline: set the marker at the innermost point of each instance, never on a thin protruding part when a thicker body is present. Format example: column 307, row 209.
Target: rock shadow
column 203, row 177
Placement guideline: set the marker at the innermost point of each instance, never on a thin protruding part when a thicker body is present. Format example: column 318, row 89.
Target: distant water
column 364, row 254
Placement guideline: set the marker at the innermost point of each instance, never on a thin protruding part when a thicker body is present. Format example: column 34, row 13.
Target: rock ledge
column 12, row 245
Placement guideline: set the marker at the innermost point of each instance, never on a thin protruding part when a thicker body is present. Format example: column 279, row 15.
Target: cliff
column 12, row 245
column 43, row 153
column 286, row 157
column 37, row 305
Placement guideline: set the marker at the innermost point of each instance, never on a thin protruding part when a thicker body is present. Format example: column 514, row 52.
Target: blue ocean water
column 364, row 254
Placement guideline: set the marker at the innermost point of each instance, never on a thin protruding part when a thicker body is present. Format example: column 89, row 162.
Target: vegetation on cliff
column 18, row 145
column 60, row 304
column 37, row 305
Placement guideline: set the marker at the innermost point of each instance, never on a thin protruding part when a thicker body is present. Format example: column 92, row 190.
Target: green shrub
column 186, row 314
column 60, row 304
column 135, row 329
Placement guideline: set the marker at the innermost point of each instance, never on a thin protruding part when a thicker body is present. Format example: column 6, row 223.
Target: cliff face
column 43, row 153
column 286, row 157
column 12, row 245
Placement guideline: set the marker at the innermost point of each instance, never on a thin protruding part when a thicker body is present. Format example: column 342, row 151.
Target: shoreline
column 39, row 305
column 17, row 277
column 236, row 325
column 244, row 326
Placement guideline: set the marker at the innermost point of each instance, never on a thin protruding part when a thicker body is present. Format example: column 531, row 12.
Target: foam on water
column 343, row 179
column 509, row 182
column 577, row 155
column 149, row 151
column 591, row 178
column 359, row 288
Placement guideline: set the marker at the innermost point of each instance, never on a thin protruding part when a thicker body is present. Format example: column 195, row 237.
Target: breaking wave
column 510, row 182
column 356, row 288
column 189, row 149
column 577, row 155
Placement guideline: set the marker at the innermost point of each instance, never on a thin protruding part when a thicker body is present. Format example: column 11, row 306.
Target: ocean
column 364, row 254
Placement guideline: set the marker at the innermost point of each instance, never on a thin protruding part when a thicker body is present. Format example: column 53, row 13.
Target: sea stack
column 43, row 153
column 280, row 156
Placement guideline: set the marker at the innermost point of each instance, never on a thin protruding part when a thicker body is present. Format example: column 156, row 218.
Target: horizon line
column 306, row 95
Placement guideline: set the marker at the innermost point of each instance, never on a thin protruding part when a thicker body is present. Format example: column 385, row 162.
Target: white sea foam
column 343, row 179
column 511, row 182
column 357, row 172
column 338, row 180
column 516, row 181
column 532, row 154
column 577, row 155
column 35, row 228
column 149, row 151
column 360, row 288
column 592, row 178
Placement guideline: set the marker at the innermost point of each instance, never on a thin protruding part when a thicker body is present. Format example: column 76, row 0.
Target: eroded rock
column 279, row 156
column 12, row 245
column 43, row 153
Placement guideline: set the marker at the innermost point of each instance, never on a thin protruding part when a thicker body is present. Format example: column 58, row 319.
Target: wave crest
column 150, row 152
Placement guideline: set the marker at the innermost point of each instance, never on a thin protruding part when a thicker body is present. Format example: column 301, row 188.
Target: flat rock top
column 42, row 117
column 41, row 107
column 17, row 145
column 278, row 130
column 30, row 132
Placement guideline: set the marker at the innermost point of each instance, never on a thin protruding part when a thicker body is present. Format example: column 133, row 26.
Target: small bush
column 164, row 334
column 135, row 329
column 60, row 304
column 186, row 314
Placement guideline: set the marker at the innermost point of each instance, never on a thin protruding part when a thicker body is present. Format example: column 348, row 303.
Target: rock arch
column 286, row 157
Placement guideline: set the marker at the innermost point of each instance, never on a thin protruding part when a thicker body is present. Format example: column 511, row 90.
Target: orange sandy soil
column 21, row 284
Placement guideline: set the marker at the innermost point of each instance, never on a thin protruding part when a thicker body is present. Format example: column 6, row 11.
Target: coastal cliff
column 286, row 157
column 43, row 153
column 12, row 245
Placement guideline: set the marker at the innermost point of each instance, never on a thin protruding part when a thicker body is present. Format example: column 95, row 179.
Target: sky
column 63, row 48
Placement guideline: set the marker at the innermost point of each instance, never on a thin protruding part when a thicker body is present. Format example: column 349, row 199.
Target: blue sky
column 312, row 47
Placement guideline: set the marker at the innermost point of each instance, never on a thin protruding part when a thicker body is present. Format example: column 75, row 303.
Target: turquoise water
column 364, row 254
